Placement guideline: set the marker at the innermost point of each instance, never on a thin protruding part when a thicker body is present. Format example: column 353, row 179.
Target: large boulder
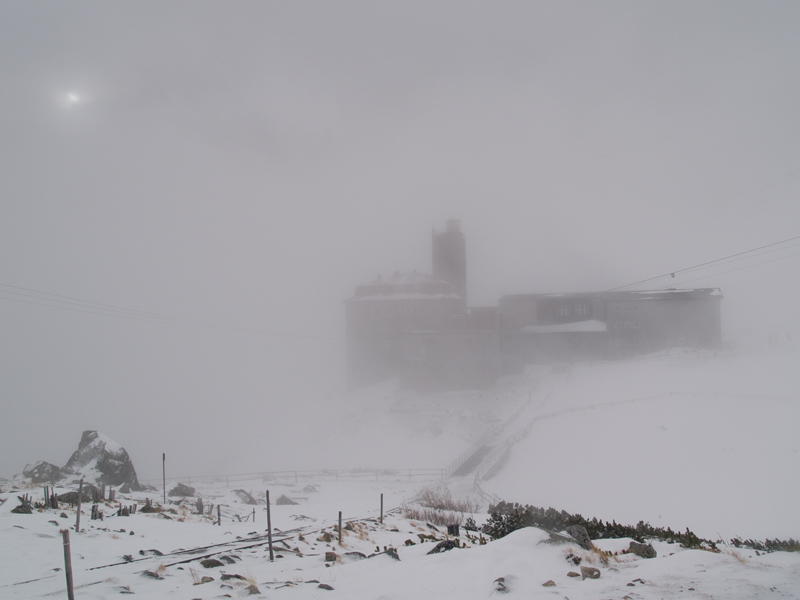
column 245, row 497
column 99, row 458
column 580, row 535
column 183, row 490
column 642, row 550
column 41, row 472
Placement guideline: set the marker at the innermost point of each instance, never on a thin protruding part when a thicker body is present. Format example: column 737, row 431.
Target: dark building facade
column 546, row 328
column 382, row 312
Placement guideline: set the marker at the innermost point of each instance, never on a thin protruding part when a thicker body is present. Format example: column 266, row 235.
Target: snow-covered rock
column 41, row 472
column 98, row 460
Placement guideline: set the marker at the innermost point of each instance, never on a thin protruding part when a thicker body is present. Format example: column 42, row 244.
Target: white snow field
column 707, row 441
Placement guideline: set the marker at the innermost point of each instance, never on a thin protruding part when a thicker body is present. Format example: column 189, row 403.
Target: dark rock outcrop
column 245, row 497
column 642, row 550
column 108, row 460
column 580, row 535
column 41, row 472
column 182, row 490
column 444, row 546
column 87, row 495
column 285, row 500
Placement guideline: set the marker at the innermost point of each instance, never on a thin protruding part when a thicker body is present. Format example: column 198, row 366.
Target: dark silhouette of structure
column 419, row 328
column 449, row 253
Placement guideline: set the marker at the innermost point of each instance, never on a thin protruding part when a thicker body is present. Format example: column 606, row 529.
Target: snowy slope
column 704, row 441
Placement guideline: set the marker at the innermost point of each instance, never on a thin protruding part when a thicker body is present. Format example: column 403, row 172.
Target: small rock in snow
column 208, row 563
column 590, row 573
column 152, row 574
column 642, row 550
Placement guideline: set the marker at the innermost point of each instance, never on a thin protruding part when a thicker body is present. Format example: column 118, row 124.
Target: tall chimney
column 450, row 256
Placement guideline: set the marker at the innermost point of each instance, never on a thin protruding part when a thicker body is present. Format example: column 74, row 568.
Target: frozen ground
column 705, row 441
column 32, row 552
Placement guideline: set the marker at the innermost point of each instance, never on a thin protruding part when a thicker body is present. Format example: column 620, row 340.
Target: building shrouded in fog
column 547, row 328
column 449, row 253
column 382, row 312
column 419, row 328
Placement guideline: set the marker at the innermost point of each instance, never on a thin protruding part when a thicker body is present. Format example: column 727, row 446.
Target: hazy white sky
column 248, row 163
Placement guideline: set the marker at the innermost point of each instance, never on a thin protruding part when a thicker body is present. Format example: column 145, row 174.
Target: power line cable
column 710, row 262
column 741, row 258
column 110, row 310
column 91, row 312
column 739, row 268
column 91, row 303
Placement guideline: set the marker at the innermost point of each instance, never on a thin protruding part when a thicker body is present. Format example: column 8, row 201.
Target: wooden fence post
column 340, row 528
column 164, row 474
column 78, row 516
column 269, row 531
column 381, row 509
column 67, row 563
column 219, row 516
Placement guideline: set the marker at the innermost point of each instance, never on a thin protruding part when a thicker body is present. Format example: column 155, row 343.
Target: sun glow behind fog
column 72, row 99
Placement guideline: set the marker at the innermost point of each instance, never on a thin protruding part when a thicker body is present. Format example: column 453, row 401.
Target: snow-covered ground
column 683, row 439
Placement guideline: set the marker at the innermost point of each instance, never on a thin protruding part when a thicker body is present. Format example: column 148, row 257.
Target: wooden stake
column 381, row 509
column 340, row 528
column 164, row 473
column 78, row 516
column 269, row 531
column 219, row 516
column 67, row 564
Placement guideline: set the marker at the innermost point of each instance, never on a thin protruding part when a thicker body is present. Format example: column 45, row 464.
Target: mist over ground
column 242, row 167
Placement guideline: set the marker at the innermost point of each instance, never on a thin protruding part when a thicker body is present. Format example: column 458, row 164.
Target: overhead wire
column 739, row 268
column 99, row 308
column 703, row 264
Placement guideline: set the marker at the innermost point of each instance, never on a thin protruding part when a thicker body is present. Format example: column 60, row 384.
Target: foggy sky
column 247, row 164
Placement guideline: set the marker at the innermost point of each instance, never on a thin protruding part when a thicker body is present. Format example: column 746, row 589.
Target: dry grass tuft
column 440, row 499
column 602, row 556
column 736, row 554
column 250, row 578
column 431, row 515
column 438, row 507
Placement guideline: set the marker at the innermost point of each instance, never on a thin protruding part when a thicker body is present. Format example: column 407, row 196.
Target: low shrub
column 505, row 517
